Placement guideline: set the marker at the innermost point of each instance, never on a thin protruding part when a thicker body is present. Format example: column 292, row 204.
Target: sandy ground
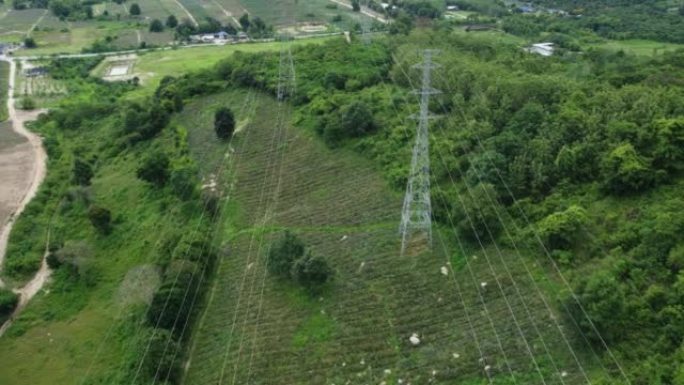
column 24, row 165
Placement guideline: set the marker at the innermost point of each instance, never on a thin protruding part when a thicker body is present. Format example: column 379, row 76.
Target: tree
column 171, row 21
column 27, row 103
column 561, row 230
column 224, row 123
column 82, row 171
column 156, row 26
column 356, row 6
column 244, row 22
column 161, row 364
column 283, row 253
column 625, row 171
column 134, row 9
column 155, row 169
column 30, row 42
column 311, row 272
column 603, row 299
column 101, row 218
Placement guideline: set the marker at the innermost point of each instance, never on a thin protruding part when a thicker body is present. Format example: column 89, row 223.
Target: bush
column 183, row 182
column 156, row 26
column 8, row 302
column 224, row 123
column 172, row 303
column 283, row 254
column 83, row 172
column 155, row 169
column 27, row 103
column 101, row 218
column 311, row 271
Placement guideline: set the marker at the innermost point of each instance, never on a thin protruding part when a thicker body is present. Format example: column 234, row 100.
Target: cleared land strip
column 261, row 330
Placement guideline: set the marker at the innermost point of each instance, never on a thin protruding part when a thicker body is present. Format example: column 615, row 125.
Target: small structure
column 242, row 36
column 452, row 7
column 544, row 49
column 35, row 72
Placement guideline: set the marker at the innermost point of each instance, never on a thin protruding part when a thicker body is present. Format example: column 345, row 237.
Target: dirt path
column 192, row 18
column 35, row 176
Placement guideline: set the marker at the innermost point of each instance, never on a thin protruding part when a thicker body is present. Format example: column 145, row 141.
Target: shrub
column 172, row 303
column 101, row 218
column 8, row 301
column 224, row 123
column 155, row 169
column 283, row 254
column 134, row 9
column 311, row 271
column 183, row 182
column 162, row 362
column 171, row 21
column 30, row 42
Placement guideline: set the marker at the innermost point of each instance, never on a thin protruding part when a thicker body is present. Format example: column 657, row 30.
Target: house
column 544, row 49
column 526, row 9
column 207, row 38
column 222, row 35
column 242, row 36
column 452, row 7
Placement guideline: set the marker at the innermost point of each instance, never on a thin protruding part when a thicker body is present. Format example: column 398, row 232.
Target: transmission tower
column 416, row 215
column 286, row 72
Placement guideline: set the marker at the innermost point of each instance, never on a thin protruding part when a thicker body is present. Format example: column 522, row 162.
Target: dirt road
column 27, row 177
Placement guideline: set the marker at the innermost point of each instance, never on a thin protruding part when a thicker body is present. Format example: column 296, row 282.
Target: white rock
column 444, row 270
column 456, row 355
column 363, row 362
column 344, row 238
column 415, row 341
column 487, row 368
column 388, row 371
column 400, row 381
column 434, row 372
column 564, row 374
column 483, row 285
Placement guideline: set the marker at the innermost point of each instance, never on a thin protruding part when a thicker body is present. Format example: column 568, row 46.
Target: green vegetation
column 4, row 79
column 556, row 186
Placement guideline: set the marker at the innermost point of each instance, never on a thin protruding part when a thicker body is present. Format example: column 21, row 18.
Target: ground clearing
column 15, row 163
column 151, row 66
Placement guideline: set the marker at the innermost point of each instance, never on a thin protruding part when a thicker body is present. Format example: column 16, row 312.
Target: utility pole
column 416, row 215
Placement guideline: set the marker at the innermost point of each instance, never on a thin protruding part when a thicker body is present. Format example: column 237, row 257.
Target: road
column 35, row 177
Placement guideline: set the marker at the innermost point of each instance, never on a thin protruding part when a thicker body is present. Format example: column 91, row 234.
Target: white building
column 544, row 49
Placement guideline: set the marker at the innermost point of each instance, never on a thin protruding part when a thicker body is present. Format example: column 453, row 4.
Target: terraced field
column 477, row 314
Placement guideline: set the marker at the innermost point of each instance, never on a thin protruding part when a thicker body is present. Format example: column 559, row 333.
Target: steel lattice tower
column 286, row 72
column 416, row 215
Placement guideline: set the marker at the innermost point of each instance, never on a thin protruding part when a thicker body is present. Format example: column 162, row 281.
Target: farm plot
column 16, row 21
column 259, row 330
column 285, row 12
column 41, row 86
